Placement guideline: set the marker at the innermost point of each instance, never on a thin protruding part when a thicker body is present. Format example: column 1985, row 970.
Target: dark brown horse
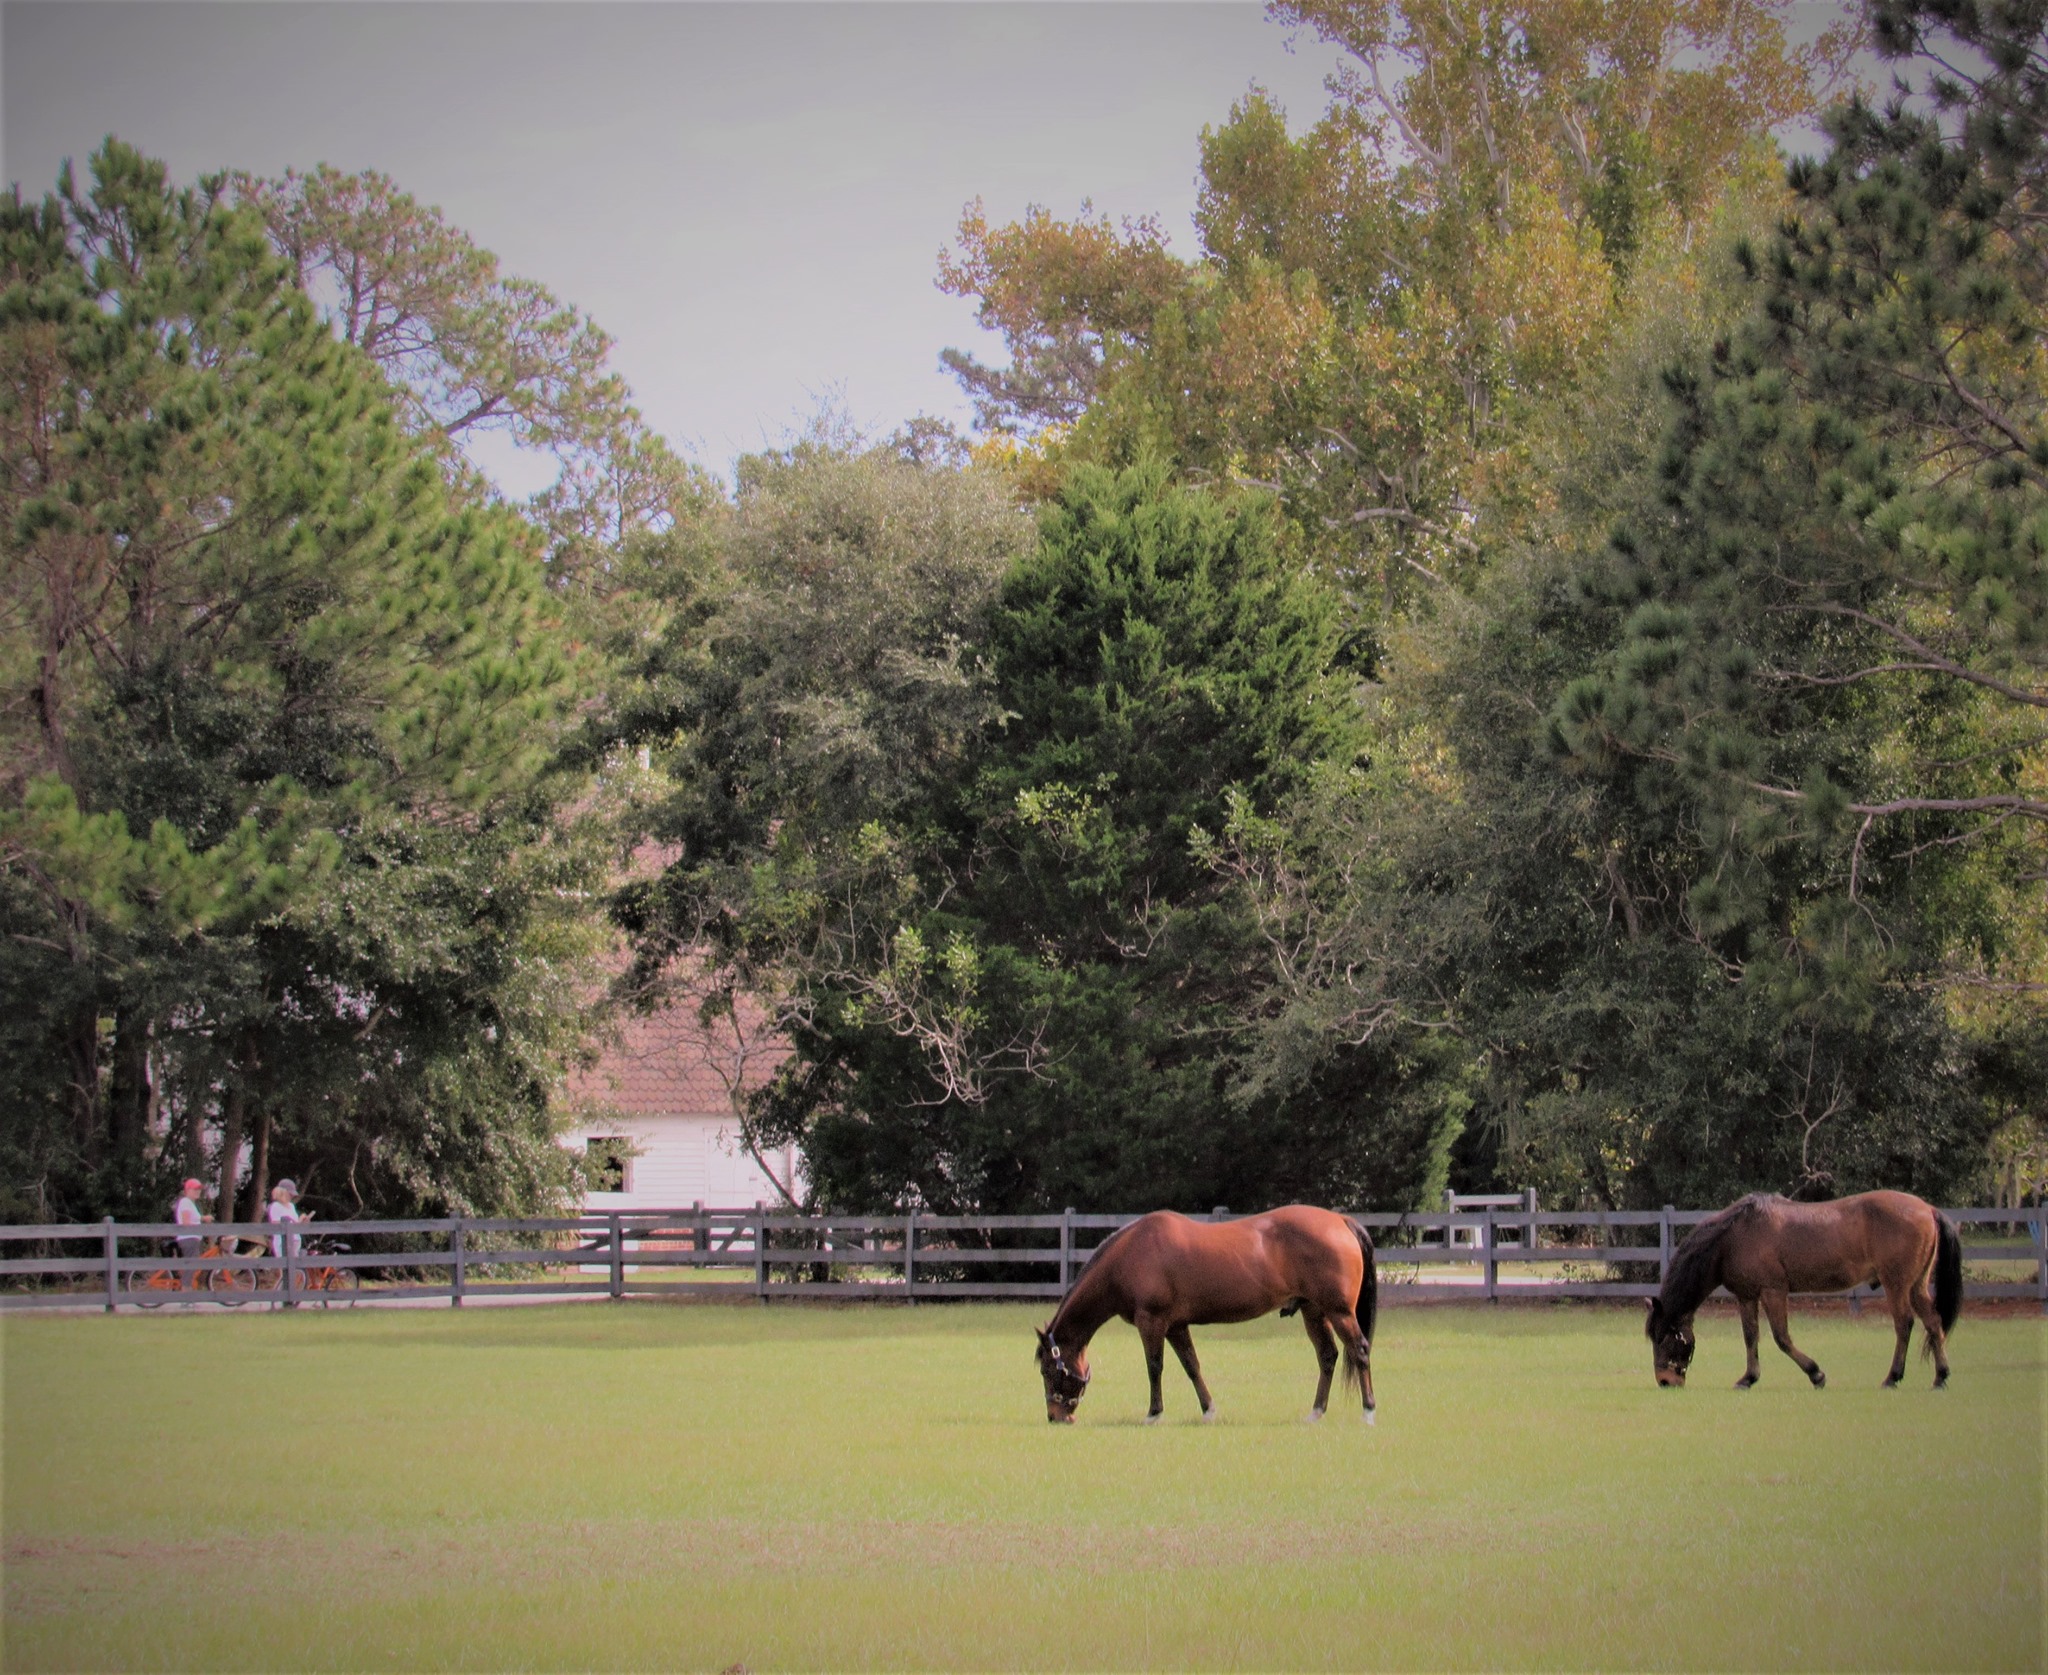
column 1164, row 1273
column 1765, row 1247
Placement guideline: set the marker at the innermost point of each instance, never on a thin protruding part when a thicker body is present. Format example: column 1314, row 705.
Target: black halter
column 1069, row 1385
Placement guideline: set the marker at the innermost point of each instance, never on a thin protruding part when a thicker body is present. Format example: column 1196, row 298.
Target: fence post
column 1529, row 1200
column 113, row 1250
column 455, row 1284
column 288, row 1255
column 618, row 1259
column 1490, row 1268
column 2040, row 1231
column 1066, row 1247
column 760, row 1248
column 1664, row 1247
column 909, row 1255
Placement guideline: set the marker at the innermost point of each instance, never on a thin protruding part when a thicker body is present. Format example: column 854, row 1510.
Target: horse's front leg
column 1781, row 1333
column 1325, row 1344
column 1749, row 1335
column 1152, row 1332
column 1902, row 1324
column 1184, row 1347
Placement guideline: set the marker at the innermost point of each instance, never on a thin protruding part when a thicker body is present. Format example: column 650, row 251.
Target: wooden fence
column 1436, row 1256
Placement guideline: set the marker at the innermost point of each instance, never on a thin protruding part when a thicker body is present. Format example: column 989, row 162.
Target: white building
column 657, row 1121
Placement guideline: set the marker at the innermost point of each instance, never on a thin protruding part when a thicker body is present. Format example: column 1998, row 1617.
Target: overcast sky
column 750, row 198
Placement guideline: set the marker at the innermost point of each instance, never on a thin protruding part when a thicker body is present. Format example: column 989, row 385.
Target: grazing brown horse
column 1766, row 1247
column 1164, row 1273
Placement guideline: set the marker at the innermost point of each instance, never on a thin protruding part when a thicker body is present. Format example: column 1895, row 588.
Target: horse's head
column 1066, row 1381
column 1671, row 1343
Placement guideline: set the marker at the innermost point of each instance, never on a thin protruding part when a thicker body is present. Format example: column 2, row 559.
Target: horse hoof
column 1154, row 1418
column 1941, row 1383
column 1891, row 1383
column 1209, row 1414
column 1820, row 1381
column 1371, row 1418
column 1314, row 1414
column 1744, row 1383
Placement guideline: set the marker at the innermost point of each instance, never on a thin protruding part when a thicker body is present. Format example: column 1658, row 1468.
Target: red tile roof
column 669, row 1063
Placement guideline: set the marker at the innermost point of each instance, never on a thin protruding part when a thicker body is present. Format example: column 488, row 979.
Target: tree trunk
column 230, row 1145
column 131, row 1099
column 82, row 1050
column 195, row 1138
column 259, row 1166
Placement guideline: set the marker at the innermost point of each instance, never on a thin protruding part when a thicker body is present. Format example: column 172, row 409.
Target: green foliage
column 805, row 711
column 1847, row 548
column 1623, row 1051
column 1155, row 657
column 1527, row 668
column 1566, row 968
column 1830, row 666
column 1182, row 933
column 469, row 351
column 1157, row 647
column 1653, row 874
column 247, row 636
column 938, row 780
column 1387, row 306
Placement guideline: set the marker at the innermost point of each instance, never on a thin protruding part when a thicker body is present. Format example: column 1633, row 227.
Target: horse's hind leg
column 1184, row 1347
column 1748, row 1307
column 1774, row 1308
column 1357, row 1355
column 1937, row 1339
column 1324, row 1342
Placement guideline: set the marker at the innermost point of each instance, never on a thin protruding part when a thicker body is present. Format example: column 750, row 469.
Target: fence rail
column 1484, row 1254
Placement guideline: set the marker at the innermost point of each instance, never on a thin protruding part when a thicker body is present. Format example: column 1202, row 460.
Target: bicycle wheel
column 231, row 1287
column 339, row 1288
column 150, row 1288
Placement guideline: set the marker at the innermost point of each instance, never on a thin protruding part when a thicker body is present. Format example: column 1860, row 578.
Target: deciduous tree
column 473, row 350
column 1384, row 308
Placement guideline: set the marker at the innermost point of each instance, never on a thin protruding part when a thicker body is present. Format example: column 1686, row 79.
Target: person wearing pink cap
column 187, row 1214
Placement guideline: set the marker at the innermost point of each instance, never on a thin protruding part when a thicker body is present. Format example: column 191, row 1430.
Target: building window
column 608, row 1163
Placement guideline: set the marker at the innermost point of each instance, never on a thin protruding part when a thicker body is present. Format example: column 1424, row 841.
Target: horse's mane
column 1088, row 1267
column 1696, row 1265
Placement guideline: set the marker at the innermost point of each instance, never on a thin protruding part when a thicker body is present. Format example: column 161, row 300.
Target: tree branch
column 1932, row 660
column 1438, row 161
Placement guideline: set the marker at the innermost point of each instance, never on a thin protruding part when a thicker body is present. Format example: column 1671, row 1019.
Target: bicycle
column 234, row 1285
column 314, row 1281
column 151, row 1288
column 334, row 1284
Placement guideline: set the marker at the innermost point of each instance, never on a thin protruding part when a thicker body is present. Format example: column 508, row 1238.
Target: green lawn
column 654, row 1485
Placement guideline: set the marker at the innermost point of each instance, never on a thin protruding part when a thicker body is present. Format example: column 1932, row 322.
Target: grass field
column 698, row 1486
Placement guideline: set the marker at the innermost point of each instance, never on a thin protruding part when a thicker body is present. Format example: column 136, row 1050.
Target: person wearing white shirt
column 283, row 1207
column 187, row 1214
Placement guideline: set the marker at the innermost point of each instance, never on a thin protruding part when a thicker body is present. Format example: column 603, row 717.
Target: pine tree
column 1829, row 678
column 246, row 632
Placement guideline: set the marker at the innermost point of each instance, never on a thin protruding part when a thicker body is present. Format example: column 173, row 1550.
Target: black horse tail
column 1367, row 1307
column 1948, row 1275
